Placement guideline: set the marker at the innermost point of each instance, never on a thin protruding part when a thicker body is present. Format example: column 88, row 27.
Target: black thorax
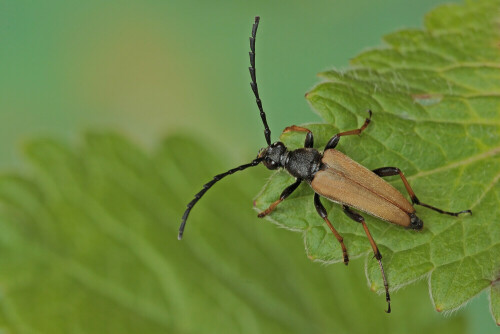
column 302, row 163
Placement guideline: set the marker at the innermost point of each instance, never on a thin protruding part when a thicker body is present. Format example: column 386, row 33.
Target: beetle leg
column 357, row 217
column 390, row 171
column 309, row 142
column 322, row 212
column 332, row 143
column 288, row 190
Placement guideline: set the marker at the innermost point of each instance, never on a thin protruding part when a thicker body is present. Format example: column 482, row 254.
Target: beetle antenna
column 208, row 186
column 253, row 84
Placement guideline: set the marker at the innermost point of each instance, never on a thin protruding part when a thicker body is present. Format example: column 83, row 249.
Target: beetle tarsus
column 386, row 286
column 359, row 218
column 332, row 143
column 309, row 141
column 455, row 214
column 388, row 307
column 269, row 209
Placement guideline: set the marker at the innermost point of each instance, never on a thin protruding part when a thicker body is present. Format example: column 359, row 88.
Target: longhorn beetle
column 333, row 175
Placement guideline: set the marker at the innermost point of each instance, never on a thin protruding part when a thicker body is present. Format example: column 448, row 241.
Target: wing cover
column 344, row 181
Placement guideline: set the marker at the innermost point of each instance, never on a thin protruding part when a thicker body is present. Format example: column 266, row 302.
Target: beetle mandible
column 332, row 175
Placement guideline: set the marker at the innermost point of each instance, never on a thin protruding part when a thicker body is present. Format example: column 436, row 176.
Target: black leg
column 322, row 212
column 287, row 192
column 390, row 171
column 309, row 142
column 357, row 217
column 332, row 143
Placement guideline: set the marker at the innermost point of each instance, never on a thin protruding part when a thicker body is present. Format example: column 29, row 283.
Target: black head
column 273, row 155
column 415, row 222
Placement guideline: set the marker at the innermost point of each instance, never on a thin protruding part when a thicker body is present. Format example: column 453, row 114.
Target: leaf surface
column 89, row 245
column 434, row 93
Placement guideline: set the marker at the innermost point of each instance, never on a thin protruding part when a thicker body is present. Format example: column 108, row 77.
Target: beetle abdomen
column 344, row 181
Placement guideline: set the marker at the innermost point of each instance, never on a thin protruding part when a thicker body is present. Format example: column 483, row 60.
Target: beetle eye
column 270, row 164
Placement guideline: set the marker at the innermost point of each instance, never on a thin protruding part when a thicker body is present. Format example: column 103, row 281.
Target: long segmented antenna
column 208, row 186
column 253, row 84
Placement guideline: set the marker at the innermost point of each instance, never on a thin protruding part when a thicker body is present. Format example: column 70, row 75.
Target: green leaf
column 435, row 98
column 89, row 245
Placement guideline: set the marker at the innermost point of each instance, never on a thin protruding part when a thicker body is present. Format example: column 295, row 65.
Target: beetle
column 333, row 175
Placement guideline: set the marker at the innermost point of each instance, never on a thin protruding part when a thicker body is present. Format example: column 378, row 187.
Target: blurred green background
column 150, row 69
